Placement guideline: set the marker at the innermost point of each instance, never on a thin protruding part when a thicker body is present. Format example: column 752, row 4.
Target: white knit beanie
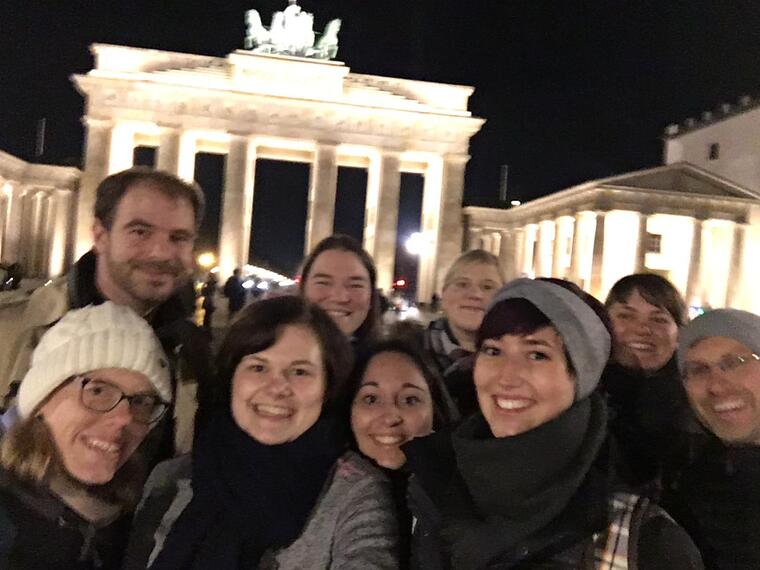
column 98, row 336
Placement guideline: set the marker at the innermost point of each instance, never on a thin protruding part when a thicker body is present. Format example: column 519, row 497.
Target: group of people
column 530, row 426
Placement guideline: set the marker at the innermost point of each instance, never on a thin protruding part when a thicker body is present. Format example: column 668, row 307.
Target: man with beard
column 144, row 232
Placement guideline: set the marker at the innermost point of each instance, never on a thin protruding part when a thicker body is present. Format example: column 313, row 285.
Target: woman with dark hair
column 526, row 482
column 270, row 483
column 396, row 396
column 649, row 408
column 340, row 277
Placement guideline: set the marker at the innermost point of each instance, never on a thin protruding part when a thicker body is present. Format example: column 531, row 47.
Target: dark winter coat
column 649, row 415
column 715, row 496
column 490, row 524
column 38, row 531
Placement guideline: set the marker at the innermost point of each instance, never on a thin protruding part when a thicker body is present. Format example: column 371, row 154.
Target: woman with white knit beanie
column 69, row 476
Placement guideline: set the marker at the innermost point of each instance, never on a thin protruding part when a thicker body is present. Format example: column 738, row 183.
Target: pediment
column 680, row 177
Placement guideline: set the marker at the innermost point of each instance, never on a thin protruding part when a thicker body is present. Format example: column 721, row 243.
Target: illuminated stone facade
column 723, row 141
column 249, row 106
column 697, row 229
column 36, row 215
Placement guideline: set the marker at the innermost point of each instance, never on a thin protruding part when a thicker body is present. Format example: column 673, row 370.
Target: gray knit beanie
column 739, row 325
column 98, row 336
column 586, row 338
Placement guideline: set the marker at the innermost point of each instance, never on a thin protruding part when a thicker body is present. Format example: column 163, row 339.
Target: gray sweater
column 352, row 526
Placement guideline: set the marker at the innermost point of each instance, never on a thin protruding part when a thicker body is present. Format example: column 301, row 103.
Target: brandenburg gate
column 251, row 105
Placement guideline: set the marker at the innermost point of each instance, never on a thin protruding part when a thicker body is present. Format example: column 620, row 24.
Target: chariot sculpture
column 291, row 33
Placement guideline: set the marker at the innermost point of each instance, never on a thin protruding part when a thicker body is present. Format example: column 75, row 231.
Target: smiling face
column 465, row 297
column 727, row 401
column 340, row 284
column 94, row 445
column 148, row 252
column 646, row 336
column 277, row 393
column 392, row 406
column 523, row 381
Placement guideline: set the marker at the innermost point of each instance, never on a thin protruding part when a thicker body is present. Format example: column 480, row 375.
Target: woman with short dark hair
column 270, row 483
column 649, row 408
column 526, row 482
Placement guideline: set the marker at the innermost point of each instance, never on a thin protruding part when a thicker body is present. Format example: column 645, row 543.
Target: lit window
column 714, row 151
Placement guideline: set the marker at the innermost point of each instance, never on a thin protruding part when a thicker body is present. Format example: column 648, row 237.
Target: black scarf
column 527, row 496
column 248, row 498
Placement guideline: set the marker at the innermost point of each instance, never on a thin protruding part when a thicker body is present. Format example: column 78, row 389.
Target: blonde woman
column 69, row 475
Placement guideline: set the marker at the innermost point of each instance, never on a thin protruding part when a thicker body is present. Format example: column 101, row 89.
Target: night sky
column 572, row 91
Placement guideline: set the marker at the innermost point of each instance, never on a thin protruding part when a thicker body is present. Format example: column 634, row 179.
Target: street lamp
column 415, row 243
column 206, row 260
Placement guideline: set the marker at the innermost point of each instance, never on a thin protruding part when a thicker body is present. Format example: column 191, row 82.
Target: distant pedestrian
column 235, row 292
column 207, row 292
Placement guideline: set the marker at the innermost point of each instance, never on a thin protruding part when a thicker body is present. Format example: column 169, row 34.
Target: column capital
column 456, row 158
column 167, row 128
column 97, row 122
column 389, row 153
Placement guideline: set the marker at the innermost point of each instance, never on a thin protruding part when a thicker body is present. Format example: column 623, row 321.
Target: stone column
column 441, row 221
column 542, row 261
column 641, row 244
column 323, row 181
column 557, row 253
column 11, row 238
column 475, row 238
column 598, row 257
column 237, row 205
column 507, row 253
column 736, row 271
column 496, row 243
column 122, row 148
column 176, row 153
column 97, row 159
column 694, row 289
column 381, row 214
column 517, row 269
column 36, row 250
column 575, row 251
column 60, row 222
column 488, row 242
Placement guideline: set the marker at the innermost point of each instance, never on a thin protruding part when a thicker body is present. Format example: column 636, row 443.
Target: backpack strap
column 612, row 547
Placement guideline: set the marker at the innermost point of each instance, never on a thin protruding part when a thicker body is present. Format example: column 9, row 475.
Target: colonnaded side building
column 695, row 220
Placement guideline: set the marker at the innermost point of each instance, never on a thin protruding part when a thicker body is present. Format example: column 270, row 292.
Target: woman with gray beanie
column 69, row 474
column 527, row 481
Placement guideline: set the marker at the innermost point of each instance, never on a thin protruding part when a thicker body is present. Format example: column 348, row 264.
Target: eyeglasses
column 101, row 396
column 700, row 371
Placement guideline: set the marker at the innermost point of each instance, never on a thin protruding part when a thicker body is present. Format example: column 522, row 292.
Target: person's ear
column 99, row 235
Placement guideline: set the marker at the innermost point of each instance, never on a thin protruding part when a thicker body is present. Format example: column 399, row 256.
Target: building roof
column 265, row 74
column 724, row 111
column 680, row 188
column 677, row 177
